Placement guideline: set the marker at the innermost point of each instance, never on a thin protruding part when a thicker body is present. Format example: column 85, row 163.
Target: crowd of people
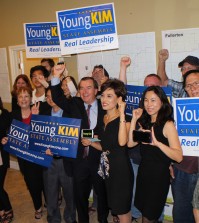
column 130, row 178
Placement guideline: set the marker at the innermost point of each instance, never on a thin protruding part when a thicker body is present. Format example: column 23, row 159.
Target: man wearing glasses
column 189, row 63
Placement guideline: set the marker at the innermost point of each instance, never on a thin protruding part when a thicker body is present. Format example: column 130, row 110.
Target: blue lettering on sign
column 185, row 142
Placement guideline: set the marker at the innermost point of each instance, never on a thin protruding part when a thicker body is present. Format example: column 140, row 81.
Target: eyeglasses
column 189, row 86
column 187, row 68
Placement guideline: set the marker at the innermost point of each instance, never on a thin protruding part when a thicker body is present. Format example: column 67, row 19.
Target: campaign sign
column 186, row 113
column 87, row 29
column 60, row 135
column 42, row 40
column 18, row 145
column 134, row 95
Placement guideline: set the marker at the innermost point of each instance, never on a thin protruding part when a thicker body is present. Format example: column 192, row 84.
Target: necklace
column 109, row 118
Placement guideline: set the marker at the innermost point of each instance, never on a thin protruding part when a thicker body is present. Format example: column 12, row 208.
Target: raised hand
column 58, row 70
column 98, row 76
column 121, row 106
column 137, row 113
column 163, row 54
column 35, row 108
column 125, row 61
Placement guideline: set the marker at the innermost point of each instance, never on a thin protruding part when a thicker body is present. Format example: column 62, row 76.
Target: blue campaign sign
column 87, row 29
column 18, row 145
column 42, row 40
column 60, row 135
column 134, row 95
column 186, row 111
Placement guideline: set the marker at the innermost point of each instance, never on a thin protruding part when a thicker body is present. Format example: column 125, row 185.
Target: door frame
column 15, row 61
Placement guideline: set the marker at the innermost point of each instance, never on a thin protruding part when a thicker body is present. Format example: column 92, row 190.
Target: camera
column 140, row 136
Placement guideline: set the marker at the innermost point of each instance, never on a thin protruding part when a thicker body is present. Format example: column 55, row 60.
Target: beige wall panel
column 132, row 16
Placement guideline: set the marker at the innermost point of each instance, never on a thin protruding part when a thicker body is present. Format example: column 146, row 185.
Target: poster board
column 139, row 47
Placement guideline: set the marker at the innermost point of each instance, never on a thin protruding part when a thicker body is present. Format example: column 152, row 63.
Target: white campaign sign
column 186, row 115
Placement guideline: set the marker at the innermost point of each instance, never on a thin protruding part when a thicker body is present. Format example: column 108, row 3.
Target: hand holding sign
column 48, row 152
column 4, row 140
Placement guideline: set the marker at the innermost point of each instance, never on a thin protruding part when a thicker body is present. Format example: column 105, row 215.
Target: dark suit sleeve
column 44, row 106
column 15, row 106
column 59, row 98
column 5, row 121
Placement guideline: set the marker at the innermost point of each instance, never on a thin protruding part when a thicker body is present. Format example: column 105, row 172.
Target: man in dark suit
column 85, row 166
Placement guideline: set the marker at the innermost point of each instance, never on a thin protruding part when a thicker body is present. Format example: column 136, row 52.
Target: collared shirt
column 57, row 114
column 55, row 81
column 177, row 89
column 93, row 113
column 93, row 109
column 36, row 99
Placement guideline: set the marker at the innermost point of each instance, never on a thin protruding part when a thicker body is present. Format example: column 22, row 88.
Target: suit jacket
column 15, row 106
column 75, row 108
column 5, row 121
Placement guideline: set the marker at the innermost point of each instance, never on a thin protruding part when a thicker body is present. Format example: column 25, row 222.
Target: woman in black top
column 155, row 115
column 6, row 213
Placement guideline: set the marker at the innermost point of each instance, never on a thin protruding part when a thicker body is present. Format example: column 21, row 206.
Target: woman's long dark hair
column 164, row 114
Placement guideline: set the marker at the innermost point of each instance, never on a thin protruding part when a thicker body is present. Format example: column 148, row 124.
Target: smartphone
column 87, row 133
column 140, row 136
